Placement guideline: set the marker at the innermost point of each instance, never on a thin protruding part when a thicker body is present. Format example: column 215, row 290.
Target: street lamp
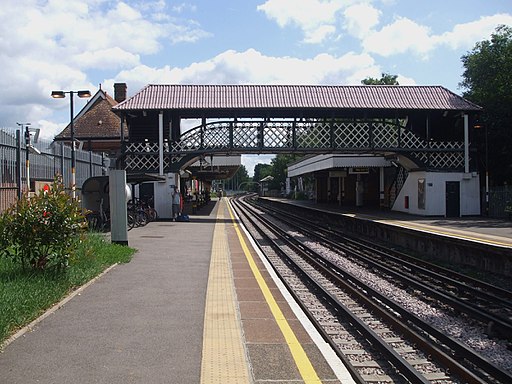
column 61, row 95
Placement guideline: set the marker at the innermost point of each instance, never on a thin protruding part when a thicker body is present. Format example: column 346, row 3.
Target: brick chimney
column 119, row 92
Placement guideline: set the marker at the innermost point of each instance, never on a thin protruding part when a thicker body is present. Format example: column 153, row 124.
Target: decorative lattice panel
column 189, row 141
column 297, row 135
column 245, row 135
column 313, row 134
column 216, row 136
column 352, row 135
column 409, row 140
column 141, row 162
column 278, row 134
column 384, row 135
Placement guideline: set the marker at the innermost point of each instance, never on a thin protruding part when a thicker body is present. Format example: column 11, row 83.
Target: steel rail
column 497, row 292
column 498, row 323
column 354, row 373
column 457, row 347
column 405, row 368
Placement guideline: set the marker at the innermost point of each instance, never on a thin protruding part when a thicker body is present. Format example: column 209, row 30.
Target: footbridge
column 421, row 127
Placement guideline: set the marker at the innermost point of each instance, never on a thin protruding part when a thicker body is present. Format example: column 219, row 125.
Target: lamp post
column 486, row 172
column 61, row 95
column 479, row 125
column 24, row 127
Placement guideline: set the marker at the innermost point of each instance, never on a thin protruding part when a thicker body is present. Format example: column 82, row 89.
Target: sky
column 80, row 44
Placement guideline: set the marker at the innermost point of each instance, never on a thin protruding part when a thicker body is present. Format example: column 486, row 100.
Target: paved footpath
column 140, row 323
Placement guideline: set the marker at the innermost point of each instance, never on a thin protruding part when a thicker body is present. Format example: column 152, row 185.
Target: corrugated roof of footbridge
column 409, row 97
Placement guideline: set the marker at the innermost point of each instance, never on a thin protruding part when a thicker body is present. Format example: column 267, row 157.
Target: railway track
column 377, row 338
column 484, row 303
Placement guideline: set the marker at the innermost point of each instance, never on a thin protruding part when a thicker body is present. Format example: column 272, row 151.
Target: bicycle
column 139, row 217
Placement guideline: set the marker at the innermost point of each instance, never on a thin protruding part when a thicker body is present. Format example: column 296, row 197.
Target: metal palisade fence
column 47, row 160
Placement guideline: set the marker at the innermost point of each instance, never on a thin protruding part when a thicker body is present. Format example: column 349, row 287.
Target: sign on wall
column 359, row 170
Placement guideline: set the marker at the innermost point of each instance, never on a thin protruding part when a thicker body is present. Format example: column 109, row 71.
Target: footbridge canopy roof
column 191, row 99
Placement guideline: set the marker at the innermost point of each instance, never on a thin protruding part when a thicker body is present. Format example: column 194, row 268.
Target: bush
column 25, row 294
column 42, row 232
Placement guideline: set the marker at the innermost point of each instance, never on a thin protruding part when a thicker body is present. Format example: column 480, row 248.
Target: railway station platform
column 478, row 245
column 492, row 231
column 195, row 305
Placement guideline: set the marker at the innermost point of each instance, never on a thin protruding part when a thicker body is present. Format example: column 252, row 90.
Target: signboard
column 359, row 170
column 337, row 173
column 42, row 185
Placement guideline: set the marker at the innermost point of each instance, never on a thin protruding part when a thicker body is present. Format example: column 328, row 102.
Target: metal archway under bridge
column 299, row 136
column 427, row 126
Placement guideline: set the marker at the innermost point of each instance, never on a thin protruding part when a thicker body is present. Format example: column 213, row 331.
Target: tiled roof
column 95, row 121
column 295, row 96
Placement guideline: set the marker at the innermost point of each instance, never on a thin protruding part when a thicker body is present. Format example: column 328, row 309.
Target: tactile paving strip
column 224, row 359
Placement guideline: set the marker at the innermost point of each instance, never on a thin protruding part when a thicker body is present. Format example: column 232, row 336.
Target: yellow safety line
column 302, row 361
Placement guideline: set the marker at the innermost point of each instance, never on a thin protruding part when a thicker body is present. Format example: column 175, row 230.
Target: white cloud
column 360, row 19
column 404, row 80
column 465, row 35
column 49, row 129
column 52, row 45
column 405, row 35
column 316, row 18
column 113, row 58
column 399, row 37
column 320, row 34
column 252, row 67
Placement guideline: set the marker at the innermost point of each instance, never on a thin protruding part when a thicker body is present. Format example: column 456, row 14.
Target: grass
column 24, row 295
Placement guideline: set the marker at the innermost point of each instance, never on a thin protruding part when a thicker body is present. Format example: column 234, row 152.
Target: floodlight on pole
column 61, row 95
column 24, row 127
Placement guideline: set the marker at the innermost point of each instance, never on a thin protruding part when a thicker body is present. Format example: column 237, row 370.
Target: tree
column 386, row 79
column 261, row 171
column 487, row 78
column 279, row 169
column 239, row 177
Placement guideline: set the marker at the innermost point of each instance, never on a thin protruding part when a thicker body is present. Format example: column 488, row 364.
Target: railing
column 297, row 136
column 54, row 158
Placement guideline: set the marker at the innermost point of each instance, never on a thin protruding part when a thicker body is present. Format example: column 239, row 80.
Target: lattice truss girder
column 298, row 136
column 144, row 156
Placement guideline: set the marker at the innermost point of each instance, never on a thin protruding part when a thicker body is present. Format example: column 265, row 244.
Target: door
column 452, row 199
column 334, row 189
column 147, row 193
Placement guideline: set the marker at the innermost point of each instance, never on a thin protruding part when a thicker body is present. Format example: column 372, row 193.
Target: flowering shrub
column 44, row 231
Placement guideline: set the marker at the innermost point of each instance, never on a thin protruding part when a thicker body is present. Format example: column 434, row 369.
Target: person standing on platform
column 176, row 203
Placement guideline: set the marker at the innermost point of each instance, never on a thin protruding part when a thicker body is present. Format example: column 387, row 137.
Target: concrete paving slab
column 140, row 323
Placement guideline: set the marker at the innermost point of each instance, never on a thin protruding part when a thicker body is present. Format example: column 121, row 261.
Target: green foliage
column 277, row 168
column 42, row 232
column 238, row 180
column 386, row 79
column 261, row 171
column 280, row 169
column 242, row 177
column 25, row 294
column 487, row 78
